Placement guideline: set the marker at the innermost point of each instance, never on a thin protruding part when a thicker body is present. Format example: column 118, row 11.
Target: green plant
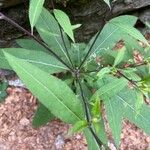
column 113, row 64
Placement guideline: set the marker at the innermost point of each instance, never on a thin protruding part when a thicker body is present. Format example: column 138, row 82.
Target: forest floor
column 17, row 132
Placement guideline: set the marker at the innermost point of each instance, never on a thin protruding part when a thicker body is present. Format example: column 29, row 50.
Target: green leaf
column 76, row 26
column 48, row 28
column 76, row 52
column 109, row 89
column 126, row 28
column 78, row 126
column 3, row 62
column 64, row 22
column 142, row 119
column 97, row 121
column 125, row 102
column 3, row 93
column 86, row 90
column 109, row 36
column 96, row 108
column 49, row 90
column 48, row 33
column 40, row 59
column 132, row 43
column 131, row 74
column 114, row 115
column 42, row 116
column 126, row 19
column 30, row 44
column 146, row 79
column 108, row 94
column 107, row 2
column 92, row 144
column 119, row 56
column 35, row 10
column 139, row 101
column 100, row 130
column 103, row 72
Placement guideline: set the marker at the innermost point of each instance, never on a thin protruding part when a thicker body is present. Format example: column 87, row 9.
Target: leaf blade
column 125, row 102
column 35, row 9
column 46, row 62
column 131, row 31
column 30, row 44
column 109, row 34
column 42, row 116
column 119, row 56
column 47, row 23
column 64, row 22
column 31, row 75
column 110, row 89
column 107, row 2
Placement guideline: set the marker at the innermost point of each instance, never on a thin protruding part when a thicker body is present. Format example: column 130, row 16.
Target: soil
column 17, row 132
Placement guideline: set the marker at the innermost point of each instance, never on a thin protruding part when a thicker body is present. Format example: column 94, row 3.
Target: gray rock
column 129, row 5
column 59, row 142
column 16, row 83
column 145, row 15
column 93, row 14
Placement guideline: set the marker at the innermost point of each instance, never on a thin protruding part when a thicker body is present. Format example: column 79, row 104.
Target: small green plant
column 76, row 81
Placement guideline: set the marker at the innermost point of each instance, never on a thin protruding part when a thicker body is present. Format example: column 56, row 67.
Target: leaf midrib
column 48, row 91
column 37, row 62
column 34, row 15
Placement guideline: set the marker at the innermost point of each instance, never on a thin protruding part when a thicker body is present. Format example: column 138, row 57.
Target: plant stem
column 90, row 49
column 87, row 114
column 107, row 17
column 138, row 65
column 2, row 16
column 130, row 80
column 62, row 36
column 67, row 52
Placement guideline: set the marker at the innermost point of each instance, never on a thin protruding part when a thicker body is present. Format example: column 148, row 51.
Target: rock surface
column 93, row 14
column 90, row 14
column 8, row 34
column 9, row 3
